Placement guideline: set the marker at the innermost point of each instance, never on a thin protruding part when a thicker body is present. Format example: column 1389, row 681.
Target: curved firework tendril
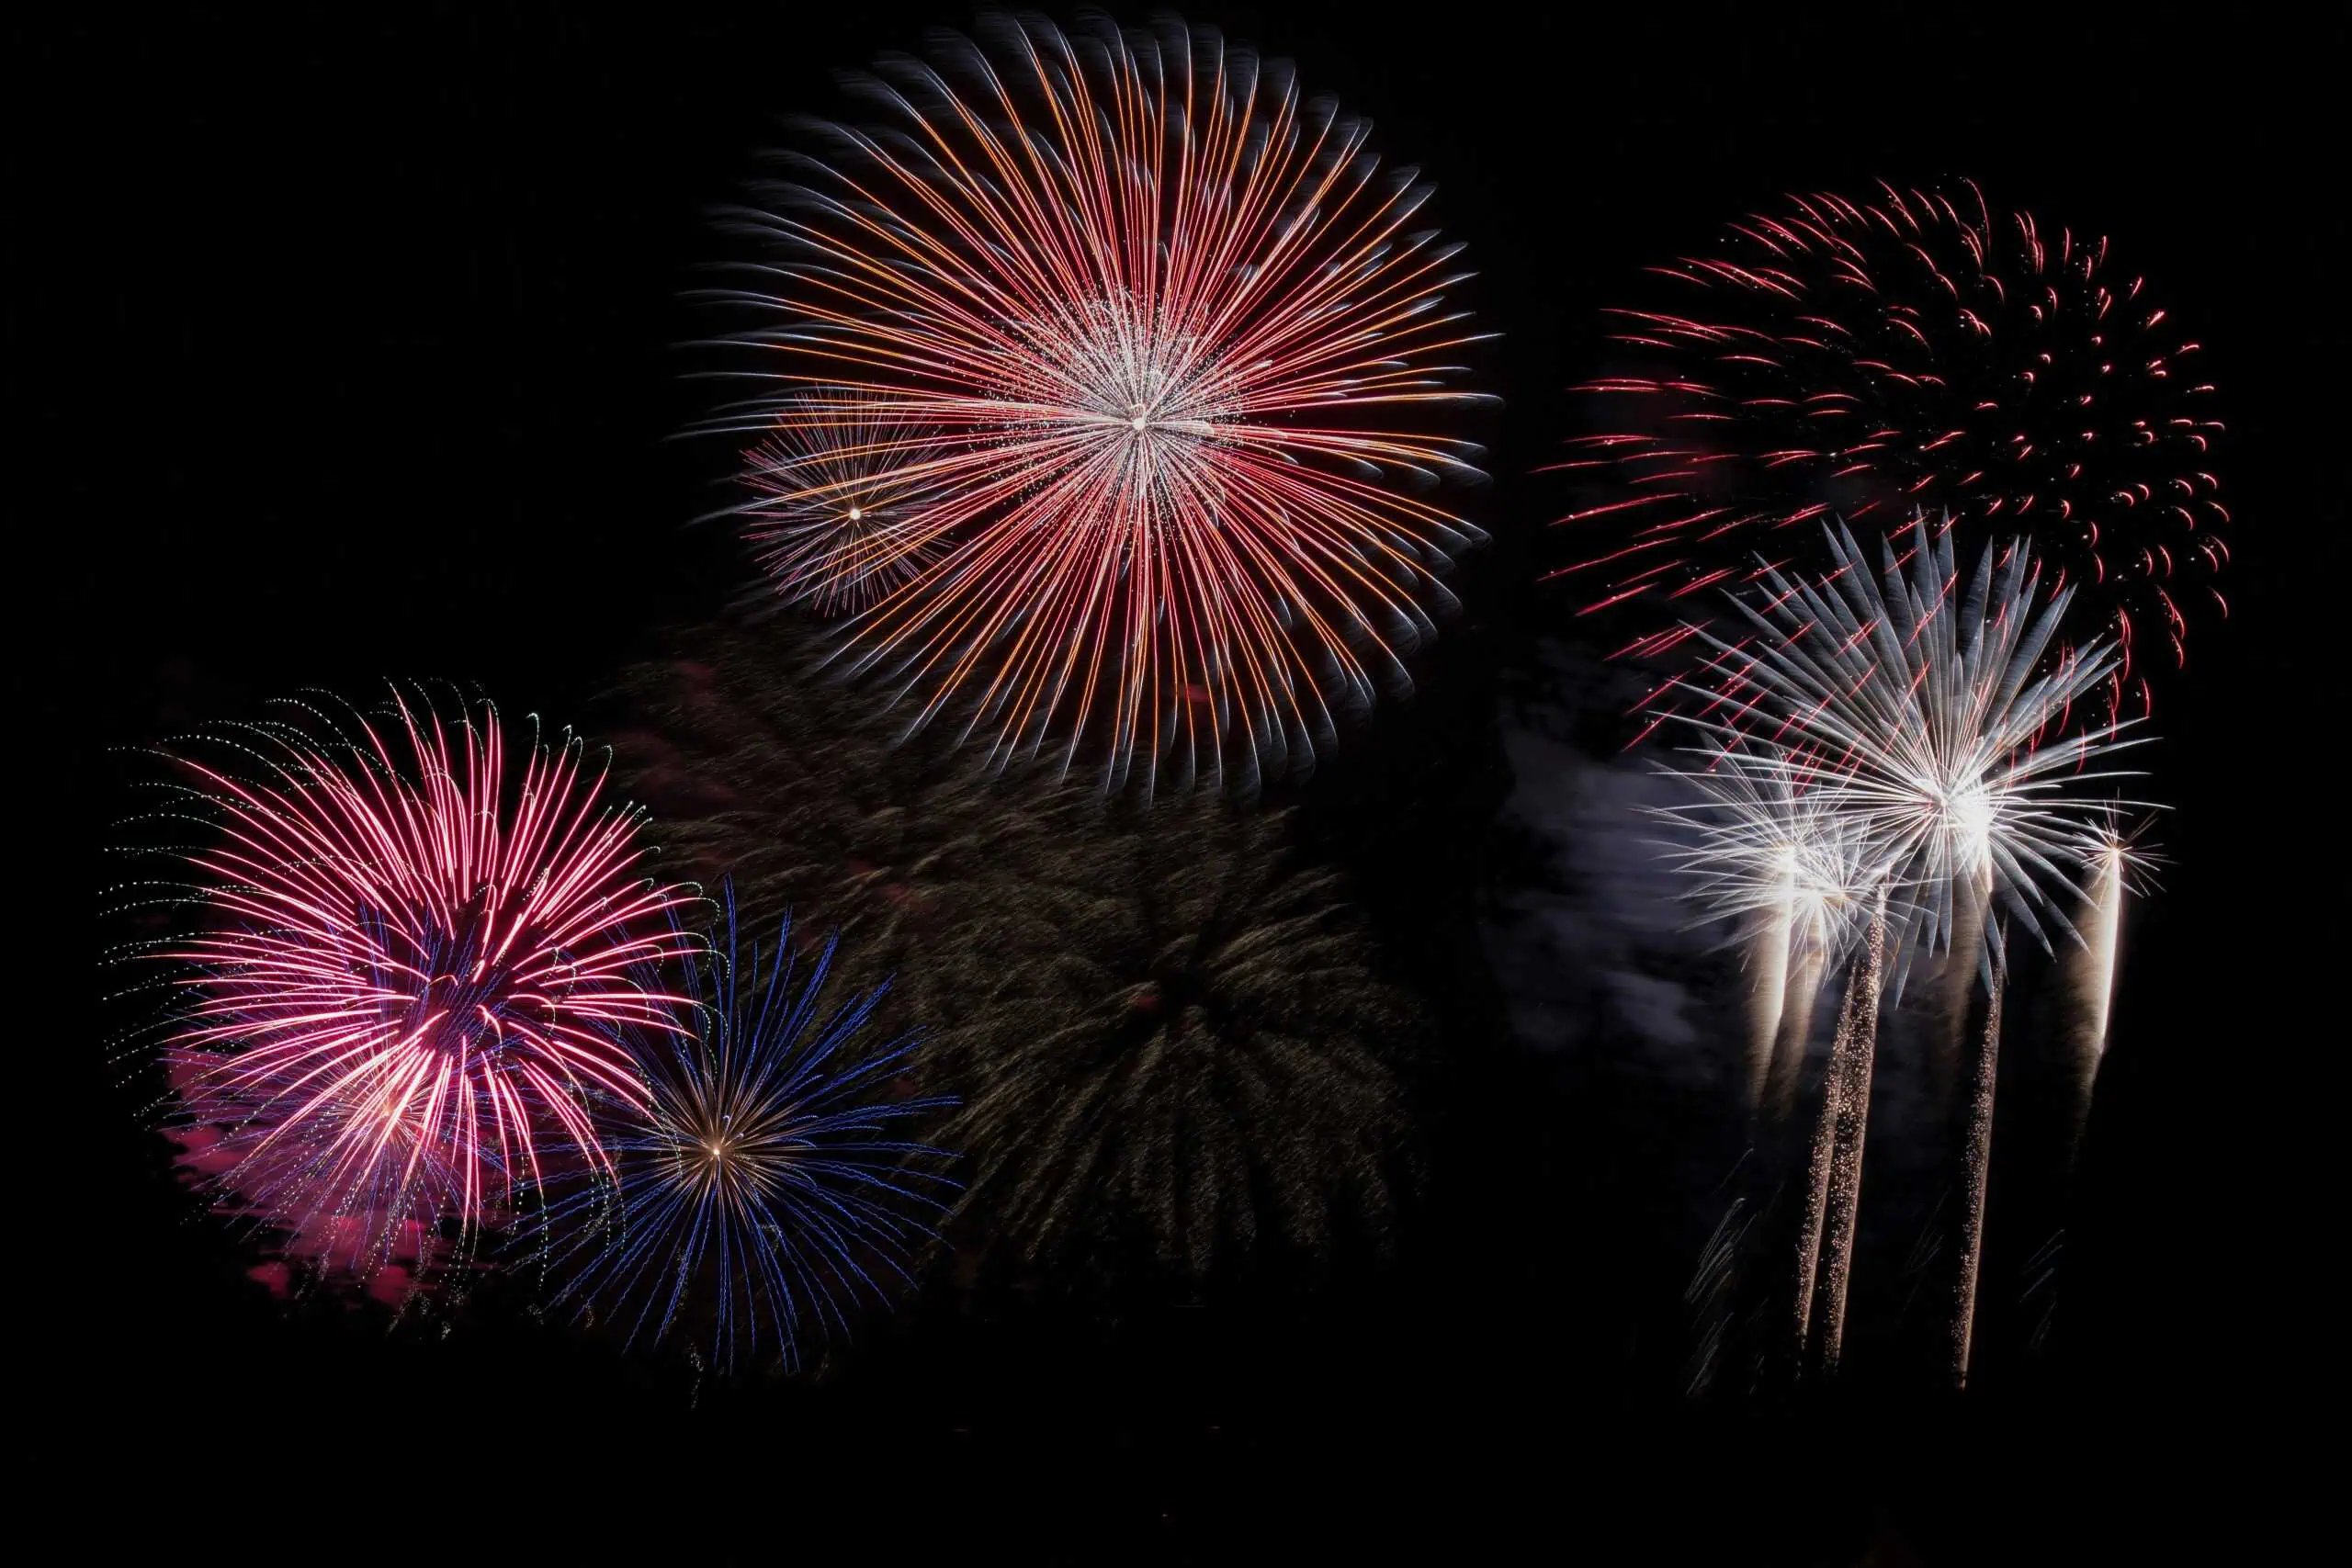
column 1158, row 322
column 758, row 1175
column 840, row 488
column 1912, row 696
column 410, row 978
column 1916, row 350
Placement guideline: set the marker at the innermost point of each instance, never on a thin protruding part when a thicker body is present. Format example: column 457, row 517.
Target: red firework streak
column 1875, row 360
column 1157, row 324
column 407, row 982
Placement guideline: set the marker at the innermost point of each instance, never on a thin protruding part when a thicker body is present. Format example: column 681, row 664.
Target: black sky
column 346, row 348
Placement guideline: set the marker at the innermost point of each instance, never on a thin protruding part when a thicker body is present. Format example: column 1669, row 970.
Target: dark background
column 346, row 350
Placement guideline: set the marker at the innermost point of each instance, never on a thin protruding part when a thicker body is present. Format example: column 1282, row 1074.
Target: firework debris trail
column 1979, row 1156
column 1817, row 1194
column 1854, row 1053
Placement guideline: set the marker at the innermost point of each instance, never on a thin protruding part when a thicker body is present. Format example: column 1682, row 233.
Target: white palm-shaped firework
column 1886, row 754
column 1916, row 699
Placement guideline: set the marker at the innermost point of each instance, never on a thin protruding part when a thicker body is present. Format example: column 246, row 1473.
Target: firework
column 414, row 974
column 1906, row 717
column 1763, row 846
column 760, row 1184
column 1863, row 359
column 1171, row 1034
column 774, row 778
column 1918, row 699
column 840, row 490
column 1167, row 344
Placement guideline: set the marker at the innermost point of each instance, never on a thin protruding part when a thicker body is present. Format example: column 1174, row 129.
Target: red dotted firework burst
column 1160, row 336
column 411, row 982
column 1873, row 360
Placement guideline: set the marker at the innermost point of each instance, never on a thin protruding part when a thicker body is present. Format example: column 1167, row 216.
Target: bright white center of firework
column 1118, row 368
column 1968, row 816
column 855, row 513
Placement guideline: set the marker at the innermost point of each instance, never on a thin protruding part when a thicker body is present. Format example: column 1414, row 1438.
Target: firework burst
column 761, row 1185
column 1173, row 1037
column 1768, row 851
column 1168, row 343
column 839, row 490
column 1919, row 700
column 414, row 974
column 1919, row 349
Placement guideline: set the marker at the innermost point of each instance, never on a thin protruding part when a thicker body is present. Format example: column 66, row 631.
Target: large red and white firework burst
column 1918, row 353
column 1170, row 349
column 411, row 981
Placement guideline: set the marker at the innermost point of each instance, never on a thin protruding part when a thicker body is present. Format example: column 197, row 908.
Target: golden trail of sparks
column 1817, row 1194
column 1852, row 1061
column 1980, row 1165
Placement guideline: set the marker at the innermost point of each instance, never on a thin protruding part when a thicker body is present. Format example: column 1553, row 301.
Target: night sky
column 351, row 350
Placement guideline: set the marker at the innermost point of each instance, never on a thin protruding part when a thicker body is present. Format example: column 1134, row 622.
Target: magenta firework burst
column 414, row 974
column 1173, row 348
column 1915, row 351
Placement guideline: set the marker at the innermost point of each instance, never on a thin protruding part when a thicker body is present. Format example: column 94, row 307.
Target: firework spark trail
column 1167, row 333
column 1916, row 348
column 1979, row 1157
column 1856, row 1052
column 2093, row 976
column 409, row 980
column 1816, row 1196
column 1768, row 952
column 1793, row 1035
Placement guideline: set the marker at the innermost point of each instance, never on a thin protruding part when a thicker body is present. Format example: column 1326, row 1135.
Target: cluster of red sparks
column 1124, row 330
column 409, row 983
column 1872, row 361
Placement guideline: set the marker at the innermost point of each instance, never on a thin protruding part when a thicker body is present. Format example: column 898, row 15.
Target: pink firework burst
column 415, row 976
column 1919, row 352
column 841, row 483
column 1171, row 342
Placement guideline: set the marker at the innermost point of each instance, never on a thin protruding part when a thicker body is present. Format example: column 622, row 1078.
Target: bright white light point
column 1139, row 422
column 1972, row 822
column 855, row 513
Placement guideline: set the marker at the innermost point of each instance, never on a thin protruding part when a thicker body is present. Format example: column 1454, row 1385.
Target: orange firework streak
column 1151, row 316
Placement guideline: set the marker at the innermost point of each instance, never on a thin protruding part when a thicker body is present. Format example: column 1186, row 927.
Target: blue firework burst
column 763, row 1189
